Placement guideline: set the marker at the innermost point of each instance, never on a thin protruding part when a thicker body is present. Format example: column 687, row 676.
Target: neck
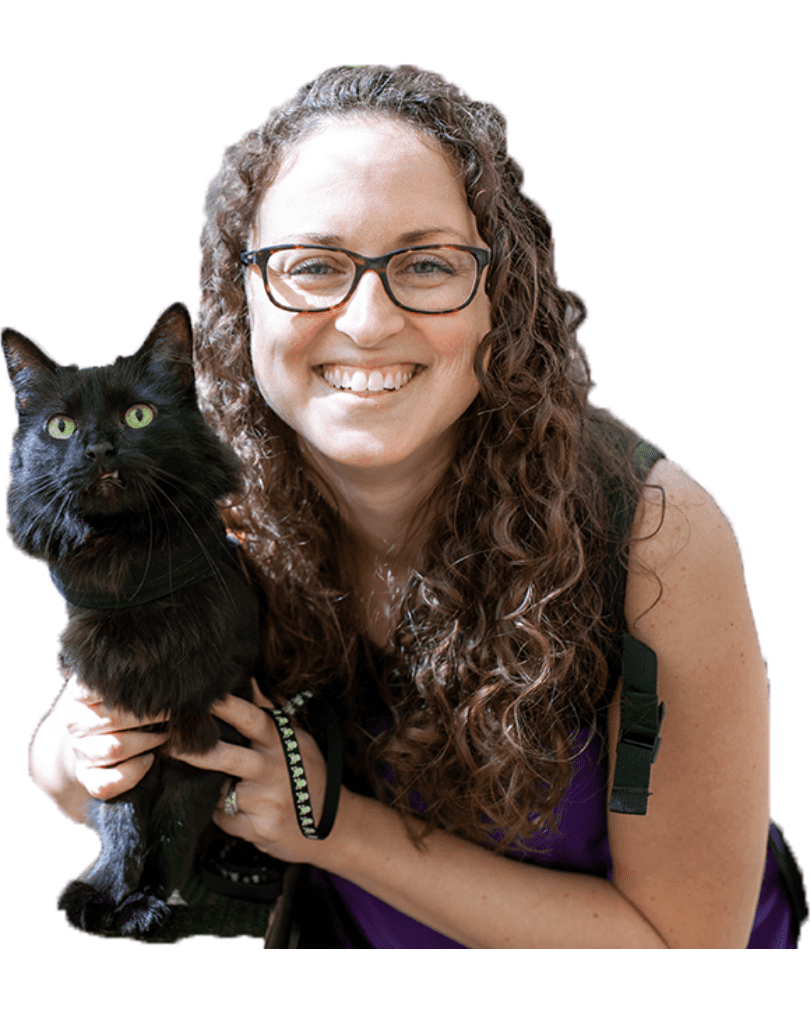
column 380, row 505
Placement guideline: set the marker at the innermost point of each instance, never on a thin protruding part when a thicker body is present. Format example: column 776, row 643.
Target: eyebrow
column 404, row 239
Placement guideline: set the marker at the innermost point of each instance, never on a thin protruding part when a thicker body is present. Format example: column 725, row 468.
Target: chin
column 361, row 454
column 363, row 458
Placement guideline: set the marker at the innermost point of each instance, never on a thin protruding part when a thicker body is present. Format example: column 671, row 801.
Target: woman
column 433, row 505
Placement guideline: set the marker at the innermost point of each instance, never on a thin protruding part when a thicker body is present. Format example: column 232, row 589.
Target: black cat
column 115, row 481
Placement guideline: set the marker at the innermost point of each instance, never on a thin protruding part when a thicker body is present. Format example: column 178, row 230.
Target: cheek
column 260, row 362
column 268, row 369
column 263, row 330
column 280, row 358
column 457, row 345
column 277, row 343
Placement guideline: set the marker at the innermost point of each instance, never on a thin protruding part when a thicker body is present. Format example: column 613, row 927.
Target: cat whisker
column 43, row 487
column 156, row 487
column 65, row 498
column 137, row 590
column 171, row 481
column 53, row 504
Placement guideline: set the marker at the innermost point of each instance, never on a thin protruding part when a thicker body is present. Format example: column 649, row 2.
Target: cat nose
column 98, row 452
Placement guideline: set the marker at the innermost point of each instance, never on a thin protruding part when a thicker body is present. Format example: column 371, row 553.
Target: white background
column 666, row 143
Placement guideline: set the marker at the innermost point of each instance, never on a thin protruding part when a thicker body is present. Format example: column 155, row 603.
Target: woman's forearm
column 52, row 764
column 480, row 899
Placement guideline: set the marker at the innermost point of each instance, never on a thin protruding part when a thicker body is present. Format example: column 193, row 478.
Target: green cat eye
column 61, row 427
column 138, row 416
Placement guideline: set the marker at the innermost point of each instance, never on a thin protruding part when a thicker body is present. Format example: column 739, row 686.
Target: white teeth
column 359, row 380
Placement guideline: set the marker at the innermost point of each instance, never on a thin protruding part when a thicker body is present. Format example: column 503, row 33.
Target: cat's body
column 115, row 481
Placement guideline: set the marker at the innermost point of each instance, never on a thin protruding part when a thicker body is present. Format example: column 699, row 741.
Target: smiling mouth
column 374, row 381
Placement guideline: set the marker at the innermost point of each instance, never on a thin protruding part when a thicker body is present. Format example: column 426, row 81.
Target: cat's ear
column 169, row 344
column 26, row 364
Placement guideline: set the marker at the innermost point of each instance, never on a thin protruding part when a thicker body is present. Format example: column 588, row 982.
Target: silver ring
column 231, row 806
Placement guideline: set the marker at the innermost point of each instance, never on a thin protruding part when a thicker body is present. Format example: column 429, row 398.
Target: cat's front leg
column 181, row 813
column 109, row 899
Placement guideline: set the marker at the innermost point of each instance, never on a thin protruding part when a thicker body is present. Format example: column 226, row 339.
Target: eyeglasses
column 420, row 279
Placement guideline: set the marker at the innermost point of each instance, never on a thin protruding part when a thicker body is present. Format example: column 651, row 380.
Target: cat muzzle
column 105, row 492
column 106, row 482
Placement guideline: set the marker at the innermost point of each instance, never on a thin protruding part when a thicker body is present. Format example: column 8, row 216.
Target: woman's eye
column 61, row 427
column 138, row 416
column 313, row 274
column 311, row 267
column 428, row 267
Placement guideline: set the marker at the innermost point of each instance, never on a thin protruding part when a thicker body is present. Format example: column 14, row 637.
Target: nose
column 99, row 452
column 369, row 316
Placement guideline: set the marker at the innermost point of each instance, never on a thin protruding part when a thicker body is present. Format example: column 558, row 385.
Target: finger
column 110, row 749
column 240, row 825
column 108, row 718
column 251, row 796
column 225, row 791
column 246, row 718
column 230, row 759
column 81, row 699
column 109, row 782
column 259, row 698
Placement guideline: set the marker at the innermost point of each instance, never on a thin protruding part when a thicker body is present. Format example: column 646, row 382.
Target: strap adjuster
column 643, row 739
column 640, row 724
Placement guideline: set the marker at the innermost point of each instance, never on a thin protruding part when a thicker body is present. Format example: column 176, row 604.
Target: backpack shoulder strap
column 641, row 712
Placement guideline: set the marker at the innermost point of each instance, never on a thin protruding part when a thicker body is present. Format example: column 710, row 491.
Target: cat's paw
column 138, row 915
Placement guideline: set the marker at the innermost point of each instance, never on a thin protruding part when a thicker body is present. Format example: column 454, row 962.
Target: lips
column 360, row 380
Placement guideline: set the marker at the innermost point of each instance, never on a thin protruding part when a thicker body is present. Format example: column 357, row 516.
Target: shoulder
column 693, row 864
column 680, row 538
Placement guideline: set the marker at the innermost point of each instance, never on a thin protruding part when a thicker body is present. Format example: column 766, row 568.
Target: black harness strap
column 195, row 558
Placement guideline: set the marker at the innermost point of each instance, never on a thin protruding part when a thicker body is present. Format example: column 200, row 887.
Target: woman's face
column 370, row 186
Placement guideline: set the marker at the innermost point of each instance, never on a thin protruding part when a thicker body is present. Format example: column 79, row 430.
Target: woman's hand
column 82, row 750
column 266, row 815
column 111, row 748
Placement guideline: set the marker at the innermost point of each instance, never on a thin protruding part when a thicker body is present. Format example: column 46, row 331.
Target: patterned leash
column 282, row 716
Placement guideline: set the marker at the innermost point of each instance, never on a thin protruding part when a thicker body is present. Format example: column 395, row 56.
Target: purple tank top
column 580, row 845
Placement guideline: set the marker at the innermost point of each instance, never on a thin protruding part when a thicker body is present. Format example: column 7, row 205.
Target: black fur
column 99, row 506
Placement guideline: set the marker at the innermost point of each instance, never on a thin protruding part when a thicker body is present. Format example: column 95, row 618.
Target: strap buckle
column 645, row 739
column 639, row 734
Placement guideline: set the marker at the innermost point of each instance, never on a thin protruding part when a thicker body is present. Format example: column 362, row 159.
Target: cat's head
column 120, row 445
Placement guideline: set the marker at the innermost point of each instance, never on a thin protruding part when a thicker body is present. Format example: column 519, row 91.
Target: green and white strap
column 282, row 717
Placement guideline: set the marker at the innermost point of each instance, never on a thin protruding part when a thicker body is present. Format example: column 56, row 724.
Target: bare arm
column 694, row 863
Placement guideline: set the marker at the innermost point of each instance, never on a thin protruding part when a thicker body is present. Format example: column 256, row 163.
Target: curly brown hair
column 504, row 636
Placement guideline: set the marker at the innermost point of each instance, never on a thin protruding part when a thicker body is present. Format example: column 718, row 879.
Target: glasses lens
column 307, row 278
column 434, row 280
